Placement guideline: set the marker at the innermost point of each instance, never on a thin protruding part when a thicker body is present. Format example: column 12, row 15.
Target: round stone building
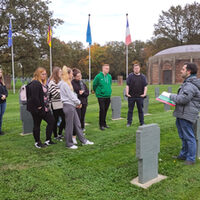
column 165, row 66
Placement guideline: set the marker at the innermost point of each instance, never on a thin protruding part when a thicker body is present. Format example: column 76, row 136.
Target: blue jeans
column 2, row 110
column 186, row 133
column 131, row 104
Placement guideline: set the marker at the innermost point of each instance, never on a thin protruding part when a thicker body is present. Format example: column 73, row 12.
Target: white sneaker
column 74, row 140
column 73, row 147
column 88, row 143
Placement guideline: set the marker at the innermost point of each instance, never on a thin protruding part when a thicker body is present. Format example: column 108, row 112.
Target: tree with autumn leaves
column 177, row 26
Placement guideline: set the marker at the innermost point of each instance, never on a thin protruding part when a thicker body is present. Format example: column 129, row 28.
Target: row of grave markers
column 115, row 106
column 147, row 143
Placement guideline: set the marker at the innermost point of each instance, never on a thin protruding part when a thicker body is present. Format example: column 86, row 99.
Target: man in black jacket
column 136, row 90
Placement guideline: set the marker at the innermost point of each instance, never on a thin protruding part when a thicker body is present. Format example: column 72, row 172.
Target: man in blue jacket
column 186, row 112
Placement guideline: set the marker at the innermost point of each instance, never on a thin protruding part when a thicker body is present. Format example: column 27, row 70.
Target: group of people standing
column 57, row 95
column 186, row 111
column 65, row 95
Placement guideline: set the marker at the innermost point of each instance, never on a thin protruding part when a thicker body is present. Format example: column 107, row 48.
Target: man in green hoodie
column 102, row 88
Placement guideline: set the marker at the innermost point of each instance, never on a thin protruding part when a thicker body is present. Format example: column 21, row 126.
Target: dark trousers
column 37, row 119
column 131, row 104
column 58, row 113
column 103, row 108
column 81, row 114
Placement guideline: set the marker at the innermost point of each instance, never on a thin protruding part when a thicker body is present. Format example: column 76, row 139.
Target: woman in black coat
column 3, row 96
column 82, row 92
column 38, row 106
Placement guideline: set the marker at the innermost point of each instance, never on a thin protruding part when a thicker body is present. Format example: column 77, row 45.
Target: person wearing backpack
column 38, row 106
column 56, row 104
column 3, row 96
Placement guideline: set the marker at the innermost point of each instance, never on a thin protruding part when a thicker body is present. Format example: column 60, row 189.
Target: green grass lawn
column 101, row 171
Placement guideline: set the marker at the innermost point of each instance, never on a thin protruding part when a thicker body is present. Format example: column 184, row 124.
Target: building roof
column 180, row 49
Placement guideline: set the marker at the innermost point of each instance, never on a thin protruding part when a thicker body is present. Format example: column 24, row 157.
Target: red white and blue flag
column 128, row 35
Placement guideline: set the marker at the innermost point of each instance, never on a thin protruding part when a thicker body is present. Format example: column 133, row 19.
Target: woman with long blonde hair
column 38, row 106
column 3, row 96
column 70, row 103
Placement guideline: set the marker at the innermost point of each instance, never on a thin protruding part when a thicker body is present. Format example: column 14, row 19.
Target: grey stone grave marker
column 170, row 89
column 27, row 121
column 197, row 135
column 116, row 107
column 26, row 117
column 166, row 106
column 28, row 80
column 124, row 95
column 146, row 105
column 157, row 92
column 147, row 149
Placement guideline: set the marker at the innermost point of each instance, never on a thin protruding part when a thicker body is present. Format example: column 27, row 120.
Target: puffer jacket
column 188, row 99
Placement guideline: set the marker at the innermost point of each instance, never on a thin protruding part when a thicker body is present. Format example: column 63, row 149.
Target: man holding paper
column 187, row 108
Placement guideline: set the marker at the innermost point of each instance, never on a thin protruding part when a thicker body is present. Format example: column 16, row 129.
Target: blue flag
column 10, row 35
column 88, row 35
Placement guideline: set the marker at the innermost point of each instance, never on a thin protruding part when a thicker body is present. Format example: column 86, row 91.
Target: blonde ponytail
column 65, row 76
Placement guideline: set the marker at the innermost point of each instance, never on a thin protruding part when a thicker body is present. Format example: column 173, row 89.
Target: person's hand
column 39, row 108
column 167, row 94
column 81, row 92
column 128, row 95
column 143, row 95
column 3, row 97
column 79, row 106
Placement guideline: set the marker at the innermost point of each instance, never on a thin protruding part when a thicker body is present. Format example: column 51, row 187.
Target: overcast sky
column 108, row 18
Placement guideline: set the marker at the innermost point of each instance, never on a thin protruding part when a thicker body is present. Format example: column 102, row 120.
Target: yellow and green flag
column 49, row 36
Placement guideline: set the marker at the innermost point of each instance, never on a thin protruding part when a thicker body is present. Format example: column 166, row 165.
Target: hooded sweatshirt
column 102, row 85
column 188, row 99
column 67, row 95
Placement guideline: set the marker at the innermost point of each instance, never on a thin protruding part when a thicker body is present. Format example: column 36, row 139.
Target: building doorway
column 167, row 77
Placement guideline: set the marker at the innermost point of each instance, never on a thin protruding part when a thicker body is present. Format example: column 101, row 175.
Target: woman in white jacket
column 70, row 103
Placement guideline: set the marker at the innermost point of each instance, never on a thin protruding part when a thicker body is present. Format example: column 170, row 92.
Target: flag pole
column 13, row 67
column 126, row 52
column 50, row 53
column 89, row 60
column 126, row 61
column 89, row 40
column 89, row 70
